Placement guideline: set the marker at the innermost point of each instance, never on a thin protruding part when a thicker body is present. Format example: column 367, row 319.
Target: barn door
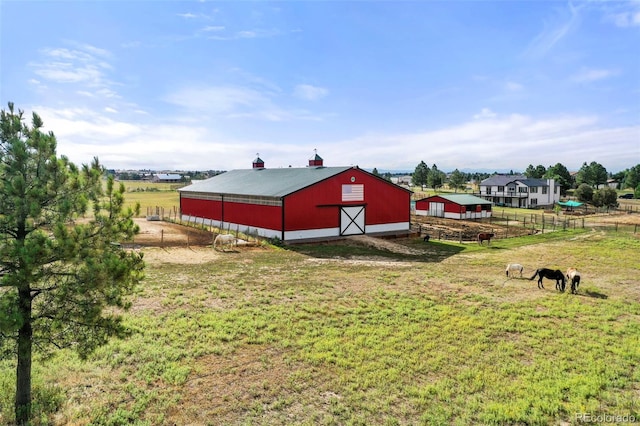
column 436, row 209
column 352, row 220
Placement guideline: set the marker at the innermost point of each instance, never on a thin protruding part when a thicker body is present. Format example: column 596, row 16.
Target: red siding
column 319, row 205
column 259, row 216
column 269, row 217
column 449, row 206
column 200, row 208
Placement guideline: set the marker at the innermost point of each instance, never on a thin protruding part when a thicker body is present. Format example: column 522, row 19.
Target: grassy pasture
column 343, row 334
column 151, row 195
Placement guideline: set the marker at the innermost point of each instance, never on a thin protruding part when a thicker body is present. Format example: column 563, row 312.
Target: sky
column 207, row 85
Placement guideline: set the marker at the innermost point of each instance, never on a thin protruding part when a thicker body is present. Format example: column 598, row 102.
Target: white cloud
column 65, row 72
column 626, row 19
column 246, row 34
column 560, row 26
column 212, row 28
column 498, row 143
column 484, row 113
column 86, row 124
column 233, row 102
column 588, row 75
column 512, row 86
column 111, row 110
column 489, row 141
column 74, row 66
column 309, row 92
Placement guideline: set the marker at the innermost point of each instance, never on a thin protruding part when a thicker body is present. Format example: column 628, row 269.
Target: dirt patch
column 156, row 233
column 465, row 230
column 166, row 234
column 383, row 244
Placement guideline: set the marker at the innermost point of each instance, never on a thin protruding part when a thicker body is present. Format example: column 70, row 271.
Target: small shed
column 454, row 206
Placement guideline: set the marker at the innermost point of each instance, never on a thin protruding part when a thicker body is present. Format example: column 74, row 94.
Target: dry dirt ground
column 166, row 234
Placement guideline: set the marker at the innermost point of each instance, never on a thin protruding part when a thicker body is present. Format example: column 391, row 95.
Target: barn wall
column 318, row 207
column 242, row 214
column 453, row 210
column 209, row 209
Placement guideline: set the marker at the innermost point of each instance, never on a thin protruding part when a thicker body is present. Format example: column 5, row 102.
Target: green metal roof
column 464, row 199
column 264, row 182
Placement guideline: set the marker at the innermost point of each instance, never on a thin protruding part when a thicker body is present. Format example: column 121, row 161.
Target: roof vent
column 316, row 160
column 258, row 163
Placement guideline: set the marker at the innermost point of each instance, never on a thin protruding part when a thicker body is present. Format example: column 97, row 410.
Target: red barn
column 296, row 204
column 454, row 206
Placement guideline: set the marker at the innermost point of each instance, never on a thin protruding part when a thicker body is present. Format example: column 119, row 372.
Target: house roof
column 462, row 199
column 264, row 182
column 168, row 176
column 504, row 180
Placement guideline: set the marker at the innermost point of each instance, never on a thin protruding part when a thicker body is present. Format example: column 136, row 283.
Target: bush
column 584, row 193
column 605, row 197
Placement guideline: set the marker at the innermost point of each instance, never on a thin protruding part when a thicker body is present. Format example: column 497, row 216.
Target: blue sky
column 472, row 85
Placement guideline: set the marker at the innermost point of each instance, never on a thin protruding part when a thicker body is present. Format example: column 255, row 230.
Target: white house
column 520, row 191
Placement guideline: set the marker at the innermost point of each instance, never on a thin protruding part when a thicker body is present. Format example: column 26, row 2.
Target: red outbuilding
column 297, row 204
column 454, row 206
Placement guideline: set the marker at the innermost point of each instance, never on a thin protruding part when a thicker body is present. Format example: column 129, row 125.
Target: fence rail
column 505, row 224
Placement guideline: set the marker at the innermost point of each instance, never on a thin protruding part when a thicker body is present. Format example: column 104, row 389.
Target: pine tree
column 61, row 264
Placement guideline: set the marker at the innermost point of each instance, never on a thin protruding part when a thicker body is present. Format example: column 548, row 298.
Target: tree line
column 592, row 175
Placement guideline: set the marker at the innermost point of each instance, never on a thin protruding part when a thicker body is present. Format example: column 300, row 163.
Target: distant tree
column 600, row 173
column 605, row 197
column 435, row 177
column 562, row 176
column 419, row 177
column 535, row 172
column 593, row 174
column 636, row 193
column 59, row 278
column 584, row 193
column 456, row 180
column 375, row 172
column 585, row 175
column 632, row 177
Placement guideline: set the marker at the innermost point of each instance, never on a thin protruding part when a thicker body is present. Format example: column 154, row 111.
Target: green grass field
column 151, row 196
column 338, row 334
